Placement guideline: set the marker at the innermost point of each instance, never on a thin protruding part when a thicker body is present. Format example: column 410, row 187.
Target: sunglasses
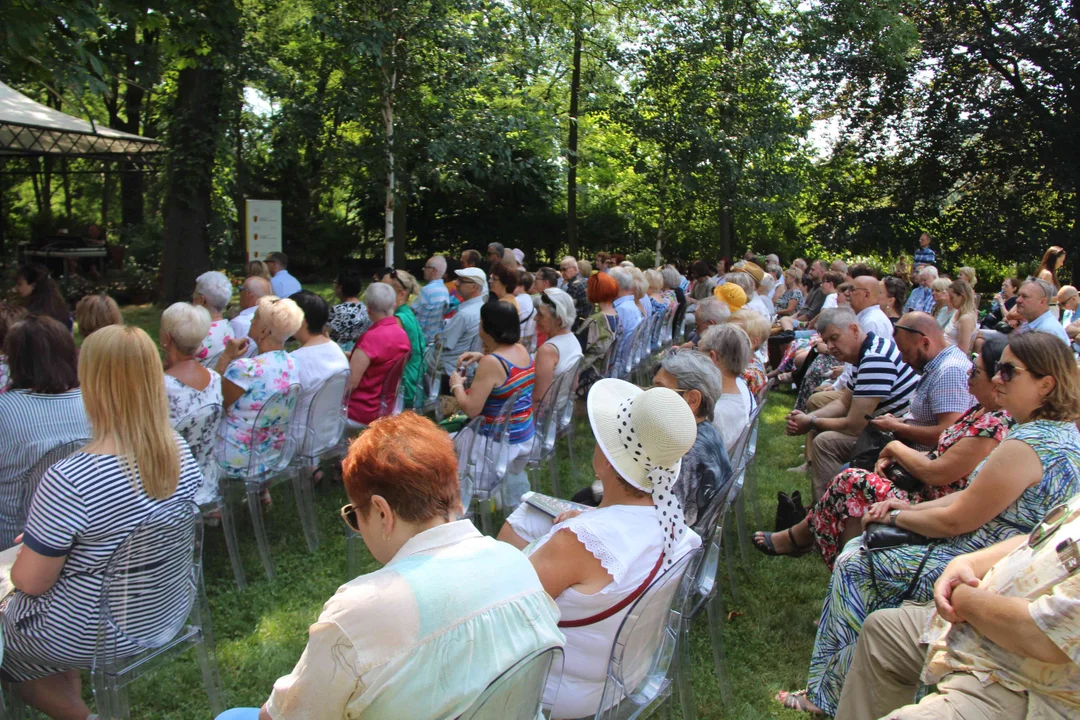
column 351, row 517
column 1049, row 525
column 898, row 326
column 1008, row 371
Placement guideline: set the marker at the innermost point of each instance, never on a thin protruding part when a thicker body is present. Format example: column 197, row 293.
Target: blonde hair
column 655, row 279
column 407, row 282
column 187, row 326
column 939, row 285
column 281, row 316
column 94, row 312
column 257, row 268
column 970, row 306
column 1046, row 356
column 755, row 325
column 641, row 285
column 968, row 272
column 123, row 389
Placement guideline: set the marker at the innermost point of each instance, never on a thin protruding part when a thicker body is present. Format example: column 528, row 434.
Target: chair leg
column 486, row 520
column 740, row 524
column 729, row 558
column 207, row 655
column 352, row 552
column 255, row 508
column 716, row 619
column 682, row 672
column 305, row 505
column 570, row 451
column 232, row 544
column 553, row 462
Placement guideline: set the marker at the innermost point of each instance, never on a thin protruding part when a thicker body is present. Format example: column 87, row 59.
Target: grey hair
column 381, row 298
column 187, row 325
column 768, row 284
column 694, row 371
column 568, row 259
column 641, row 284
column 671, row 277
column 622, row 277
column 1047, row 288
column 584, row 268
column 774, row 269
column 841, row 317
column 772, row 259
column 744, row 281
column 564, row 309
column 731, row 345
column 929, row 270
column 215, row 289
column 439, row 263
column 712, row 310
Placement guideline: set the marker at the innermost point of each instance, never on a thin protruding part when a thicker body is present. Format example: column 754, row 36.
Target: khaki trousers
column 884, row 677
column 813, row 403
column 830, row 451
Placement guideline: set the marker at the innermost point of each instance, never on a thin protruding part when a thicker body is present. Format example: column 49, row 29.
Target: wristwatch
column 892, row 516
column 813, row 421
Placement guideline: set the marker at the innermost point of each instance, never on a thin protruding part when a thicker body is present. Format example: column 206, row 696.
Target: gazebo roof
column 29, row 128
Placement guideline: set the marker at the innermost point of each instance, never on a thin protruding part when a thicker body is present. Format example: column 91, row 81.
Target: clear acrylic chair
column 199, row 429
column 431, row 380
column 320, row 438
column 517, row 692
column 486, row 462
column 643, row 657
column 27, row 485
column 546, row 416
column 388, row 396
column 269, row 462
column 153, row 607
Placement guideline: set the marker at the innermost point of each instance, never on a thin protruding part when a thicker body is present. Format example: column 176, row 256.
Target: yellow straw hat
column 731, row 294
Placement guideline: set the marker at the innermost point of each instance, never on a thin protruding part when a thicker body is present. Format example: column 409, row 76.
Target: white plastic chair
column 25, row 487
column 517, row 692
column 639, row 676
column 153, row 607
column 547, row 415
column 199, row 429
column 269, row 463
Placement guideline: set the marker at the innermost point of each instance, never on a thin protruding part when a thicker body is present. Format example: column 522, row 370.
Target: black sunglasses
column 898, row 326
column 1008, row 371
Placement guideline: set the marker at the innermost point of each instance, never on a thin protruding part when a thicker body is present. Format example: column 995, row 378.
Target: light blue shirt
column 921, row 299
column 1046, row 323
column 460, row 332
column 284, row 284
column 423, row 636
column 628, row 312
column 430, row 306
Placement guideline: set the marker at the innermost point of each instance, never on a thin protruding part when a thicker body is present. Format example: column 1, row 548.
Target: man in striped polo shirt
column 881, row 383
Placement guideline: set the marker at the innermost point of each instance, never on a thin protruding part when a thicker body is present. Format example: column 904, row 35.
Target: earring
column 385, row 538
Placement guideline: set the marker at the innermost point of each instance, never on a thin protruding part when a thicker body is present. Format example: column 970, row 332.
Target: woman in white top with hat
column 592, row 561
column 555, row 315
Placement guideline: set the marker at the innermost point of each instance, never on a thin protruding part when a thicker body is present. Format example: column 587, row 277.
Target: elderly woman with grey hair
column 555, row 315
column 729, row 347
column 375, row 354
column 213, row 292
column 706, row 468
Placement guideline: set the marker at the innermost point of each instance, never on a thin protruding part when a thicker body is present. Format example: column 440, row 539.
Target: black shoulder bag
column 878, row 537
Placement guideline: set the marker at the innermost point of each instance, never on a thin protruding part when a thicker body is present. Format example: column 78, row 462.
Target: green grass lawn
column 261, row 631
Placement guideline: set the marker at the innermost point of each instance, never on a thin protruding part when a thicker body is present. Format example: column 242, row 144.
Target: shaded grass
column 261, row 632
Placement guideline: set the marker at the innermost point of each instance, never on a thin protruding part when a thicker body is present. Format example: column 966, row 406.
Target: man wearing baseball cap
column 463, row 329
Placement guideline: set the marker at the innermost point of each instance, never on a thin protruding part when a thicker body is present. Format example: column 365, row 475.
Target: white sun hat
column 644, row 434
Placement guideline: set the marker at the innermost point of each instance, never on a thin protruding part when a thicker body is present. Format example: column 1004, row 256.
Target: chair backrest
column 151, row 580
column 27, row 485
column 199, row 429
column 547, row 412
column 528, row 333
column 517, row 692
column 326, row 413
column 432, row 372
column 391, row 383
column 566, row 403
column 644, row 647
column 608, row 363
column 271, row 445
column 493, row 445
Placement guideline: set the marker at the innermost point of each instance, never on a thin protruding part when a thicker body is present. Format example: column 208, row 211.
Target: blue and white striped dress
column 85, row 507
column 32, row 424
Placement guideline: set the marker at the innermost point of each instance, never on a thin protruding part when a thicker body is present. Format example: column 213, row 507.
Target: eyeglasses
column 466, row 281
column 677, row 390
column 351, row 517
column 898, row 326
column 430, row 267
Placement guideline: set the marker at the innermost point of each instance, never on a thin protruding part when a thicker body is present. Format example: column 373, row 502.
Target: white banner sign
column 262, row 228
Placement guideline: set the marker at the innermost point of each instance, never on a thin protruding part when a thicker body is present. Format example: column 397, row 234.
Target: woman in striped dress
column 503, row 369
column 85, row 507
column 1036, row 468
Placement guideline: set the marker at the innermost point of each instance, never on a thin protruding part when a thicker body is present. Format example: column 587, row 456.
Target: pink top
column 384, row 343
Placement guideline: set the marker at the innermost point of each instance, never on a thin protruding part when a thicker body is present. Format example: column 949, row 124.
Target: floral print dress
column 261, row 378
column 853, row 491
column 200, row 435
column 214, row 343
column 853, row 594
column 5, row 374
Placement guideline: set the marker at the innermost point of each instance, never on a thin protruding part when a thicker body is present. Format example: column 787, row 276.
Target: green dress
column 414, row 368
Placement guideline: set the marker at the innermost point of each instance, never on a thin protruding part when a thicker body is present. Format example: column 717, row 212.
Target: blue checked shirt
column 430, row 306
column 943, row 388
column 925, row 256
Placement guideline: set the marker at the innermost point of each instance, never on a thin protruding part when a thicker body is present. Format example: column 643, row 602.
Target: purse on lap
column 878, row 537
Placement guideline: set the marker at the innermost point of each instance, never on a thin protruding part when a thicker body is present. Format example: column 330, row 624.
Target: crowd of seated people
column 906, row 428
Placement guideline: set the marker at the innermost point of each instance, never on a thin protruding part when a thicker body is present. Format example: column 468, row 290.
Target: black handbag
column 902, row 479
column 878, row 537
column 789, row 510
column 868, row 447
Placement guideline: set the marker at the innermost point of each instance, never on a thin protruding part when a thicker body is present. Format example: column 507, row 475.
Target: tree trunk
column 390, row 76
column 131, row 180
column 572, row 145
column 401, row 225
column 726, row 231
column 106, row 197
column 65, row 177
column 195, row 129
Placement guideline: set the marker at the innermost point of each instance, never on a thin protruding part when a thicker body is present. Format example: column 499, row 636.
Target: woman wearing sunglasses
column 449, row 611
column 1036, row 468
column 834, row 519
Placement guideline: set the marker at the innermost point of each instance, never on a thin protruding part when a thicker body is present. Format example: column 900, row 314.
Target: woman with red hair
column 449, row 603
